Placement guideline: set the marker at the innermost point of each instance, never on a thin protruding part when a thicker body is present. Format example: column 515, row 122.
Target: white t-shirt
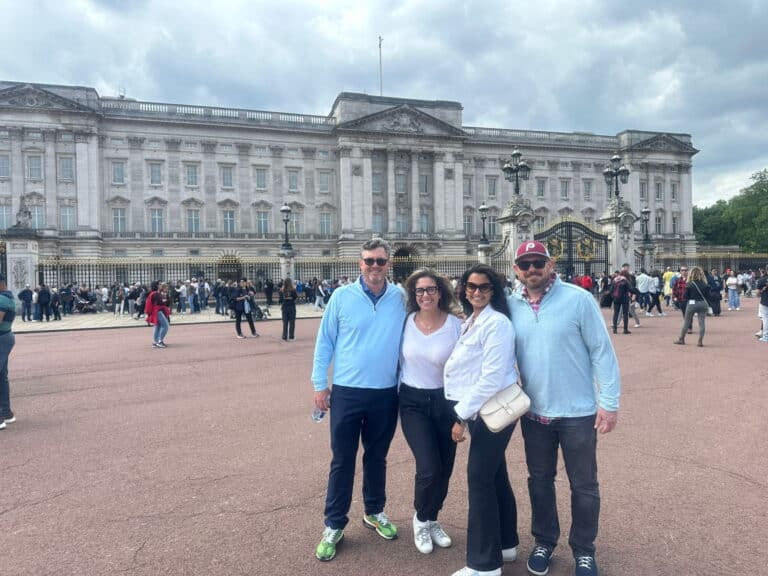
column 732, row 282
column 423, row 356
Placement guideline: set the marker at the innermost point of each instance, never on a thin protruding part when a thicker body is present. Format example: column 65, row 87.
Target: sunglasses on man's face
column 377, row 261
column 484, row 288
column 526, row 265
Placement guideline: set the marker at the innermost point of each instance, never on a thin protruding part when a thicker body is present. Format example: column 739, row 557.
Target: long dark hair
column 498, row 298
column 446, row 301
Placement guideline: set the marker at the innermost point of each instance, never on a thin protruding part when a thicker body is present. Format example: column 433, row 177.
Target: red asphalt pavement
column 201, row 459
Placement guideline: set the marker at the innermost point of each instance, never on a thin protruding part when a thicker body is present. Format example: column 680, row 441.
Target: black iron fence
column 718, row 260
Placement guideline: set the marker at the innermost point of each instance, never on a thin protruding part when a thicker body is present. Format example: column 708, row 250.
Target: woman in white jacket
column 482, row 364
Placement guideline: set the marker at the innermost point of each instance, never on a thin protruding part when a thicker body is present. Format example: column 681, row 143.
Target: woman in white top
column 430, row 333
column 482, row 364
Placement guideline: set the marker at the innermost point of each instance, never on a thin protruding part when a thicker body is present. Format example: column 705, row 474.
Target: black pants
column 715, row 303
column 238, row 318
column 289, row 322
column 357, row 414
column 655, row 302
column 427, row 418
column 623, row 307
column 492, row 519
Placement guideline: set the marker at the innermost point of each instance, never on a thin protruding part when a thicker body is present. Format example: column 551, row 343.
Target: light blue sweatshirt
column 360, row 338
column 564, row 353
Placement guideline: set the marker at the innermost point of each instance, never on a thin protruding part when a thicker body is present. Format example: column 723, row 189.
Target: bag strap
column 699, row 291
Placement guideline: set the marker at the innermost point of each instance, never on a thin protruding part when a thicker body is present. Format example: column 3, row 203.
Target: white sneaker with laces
column 467, row 571
column 421, row 535
column 2, row 425
column 637, row 325
column 438, row 535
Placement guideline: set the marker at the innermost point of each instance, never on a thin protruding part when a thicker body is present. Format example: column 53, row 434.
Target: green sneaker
column 326, row 550
column 382, row 525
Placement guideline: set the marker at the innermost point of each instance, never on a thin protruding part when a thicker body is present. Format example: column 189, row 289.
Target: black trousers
column 623, row 307
column 289, row 322
column 492, row 519
column 238, row 319
column 427, row 418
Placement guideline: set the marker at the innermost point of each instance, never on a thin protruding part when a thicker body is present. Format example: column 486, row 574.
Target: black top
column 697, row 290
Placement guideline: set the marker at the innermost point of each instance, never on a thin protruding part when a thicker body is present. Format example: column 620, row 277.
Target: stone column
column 367, row 189
column 94, row 190
column 618, row 222
column 516, row 225
column 356, row 185
column 50, row 179
column 21, row 257
column 414, row 191
column 391, row 197
column 135, row 176
column 175, row 218
column 17, row 169
column 439, row 195
column 458, row 199
column 345, row 177
column 244, row 186
column 286, row 264
column 209, row 222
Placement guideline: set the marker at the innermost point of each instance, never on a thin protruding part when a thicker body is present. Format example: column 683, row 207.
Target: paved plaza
column 202, row 459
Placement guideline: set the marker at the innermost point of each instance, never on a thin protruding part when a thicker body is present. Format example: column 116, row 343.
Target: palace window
column 229, row 221
column 492, row 226
column 659, row 224
column 377, row 184
column 401, row 183
column 659, row 191
column 157, row 220
column 564, row 189
column 66, row 168
column 643, row 190
column 227, row 176
column 424, row 184
column 118, row 219
column 191, row 174
column 541, row 187
column 261, row 178
column 401, row 224
column 293, row 180
column 324, row 182
column 378, row 223
column 326, row 223
column 262, row 222
column 34, row 167
column 155, row 174
column 674, row 192
column 67, row 218
column 538, row 223
column 675, row 224
column 118, row 172
column 587, row 188
column 467, row 186
column 490, row 186
column 424, row 224
column 5, row 166
column 6, row 219
column 467, row 225
column 38, row 217
column 193, row 220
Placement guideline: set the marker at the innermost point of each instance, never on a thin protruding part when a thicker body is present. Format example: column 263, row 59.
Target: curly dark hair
column 447, row 301
column 498, row 298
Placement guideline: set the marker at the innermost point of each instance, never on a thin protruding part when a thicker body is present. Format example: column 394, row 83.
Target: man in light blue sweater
column 360, row 334
column 569, row 369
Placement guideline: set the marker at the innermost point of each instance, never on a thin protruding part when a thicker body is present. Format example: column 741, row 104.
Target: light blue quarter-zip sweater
column 360, row 338
column 565, row 356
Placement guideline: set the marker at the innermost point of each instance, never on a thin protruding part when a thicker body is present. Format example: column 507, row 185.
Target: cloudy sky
column 693, row 66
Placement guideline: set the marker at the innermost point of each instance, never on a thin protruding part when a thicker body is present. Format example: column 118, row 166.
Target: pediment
column 192, row 202
column 227, row 203
column 663, row 143
column 262, row 205
column 405, row 120
column 325, row 207
column 118, row 200
column 156, row 201
column 29, row 96
column 296, row 206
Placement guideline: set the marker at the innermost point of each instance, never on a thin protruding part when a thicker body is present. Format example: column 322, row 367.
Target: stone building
column 110, row 177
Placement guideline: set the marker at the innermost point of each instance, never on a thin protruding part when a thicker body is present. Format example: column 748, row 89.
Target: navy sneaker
column 586, row 566
column 538, row 561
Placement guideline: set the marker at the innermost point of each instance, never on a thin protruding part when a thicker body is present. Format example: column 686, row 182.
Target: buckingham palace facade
column 108, row 177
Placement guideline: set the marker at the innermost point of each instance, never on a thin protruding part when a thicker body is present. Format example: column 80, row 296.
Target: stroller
column 258, row 312
column 84, row 306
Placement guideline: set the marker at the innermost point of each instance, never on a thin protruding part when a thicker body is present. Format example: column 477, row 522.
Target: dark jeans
column 26, row 310
column 492, row 518
column 238, row 319
column 623, row 307
column 577, row 439
column 289, row 322
column 427, row 418
column 655, row 302
column 7, row 341
column 358, row 414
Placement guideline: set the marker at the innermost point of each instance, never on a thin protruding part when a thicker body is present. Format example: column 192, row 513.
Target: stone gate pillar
column 286, row 265
column 516, row 225
column 618, row 223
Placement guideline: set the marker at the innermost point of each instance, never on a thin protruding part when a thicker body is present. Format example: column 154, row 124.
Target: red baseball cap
column 532, row 247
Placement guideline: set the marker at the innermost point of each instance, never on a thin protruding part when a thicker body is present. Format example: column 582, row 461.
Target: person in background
column 483, row 363
column 160, row 314
column 56, row 304
column 761, row 285
column 679, row 291
column 697, row 301
column 621, row 291
column 715, row 291
column 732, row 284
column 243, row 307
column 7, row 342
column 426, row 416
column 288, row 298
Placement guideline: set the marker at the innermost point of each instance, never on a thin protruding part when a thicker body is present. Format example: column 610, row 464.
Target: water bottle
column 317, row 414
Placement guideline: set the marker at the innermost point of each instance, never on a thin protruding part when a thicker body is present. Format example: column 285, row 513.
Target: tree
column 742, row 220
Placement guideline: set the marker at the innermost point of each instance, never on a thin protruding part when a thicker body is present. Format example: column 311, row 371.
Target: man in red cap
column 563, row 349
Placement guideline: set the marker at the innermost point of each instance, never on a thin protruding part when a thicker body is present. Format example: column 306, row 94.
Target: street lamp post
column 286, row 213
column 614, row 172
column 645, row 214
column 516, row 169
column 483, row 209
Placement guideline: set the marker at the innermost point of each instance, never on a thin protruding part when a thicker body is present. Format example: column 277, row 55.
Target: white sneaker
column 738, row 308
column 648, row 315
column 759, row 334
column 466, row 571
column 421, row 535
column 2, row 425
column 509, row 554
column 663, row 313
column 637, row 325
column 438, row 535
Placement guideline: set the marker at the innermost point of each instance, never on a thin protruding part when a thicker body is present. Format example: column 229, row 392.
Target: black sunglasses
column 526, row 265
column 484, row 288
column 372, row 261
